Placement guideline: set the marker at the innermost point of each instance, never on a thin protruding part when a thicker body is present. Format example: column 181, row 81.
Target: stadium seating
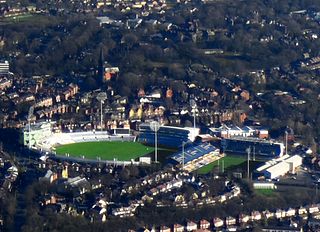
column 193, row 152
column 258, row 146
column 78, row 137
column 167, row 136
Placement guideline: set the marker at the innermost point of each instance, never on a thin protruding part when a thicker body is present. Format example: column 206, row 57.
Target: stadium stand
column 196, row 156
column 44, row 140
column 193, row 152
column 168, row 136
column 239, row 145
column 36, row 132
column 89, row 136
column 47, row 143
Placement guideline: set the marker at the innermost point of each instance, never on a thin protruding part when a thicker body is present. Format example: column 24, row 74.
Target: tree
column 175, row 71
column 124, row 174
column 134, row 171
column 129, row 40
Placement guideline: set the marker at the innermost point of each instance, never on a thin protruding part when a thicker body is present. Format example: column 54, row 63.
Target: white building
column 302, row 210
column 281, row 166
column 243, row 218
column 226, row 132
column 264, row 185
column 4, row 67
column 230, row 221
column 256, row 216
column 234, row 131
column 277, row 170
column 191, row 226
column 267, row 214
column 294, row 162
column 280, row 213
column 290, row 212
column 313, row 209
column 217, row 222
column 36, row 133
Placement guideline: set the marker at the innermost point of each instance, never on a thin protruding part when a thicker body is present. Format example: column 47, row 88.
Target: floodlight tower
column 101, row 97
column 30, row 114
column 154, row 125
column 183, row 144
column 248, row 162
column 193, row 105
column 286, row 132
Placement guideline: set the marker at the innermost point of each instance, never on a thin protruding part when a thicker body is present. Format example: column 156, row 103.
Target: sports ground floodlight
column 101, row 97
column 193, row 105
column 30, row 114
column 248, row 150
column 154, row 125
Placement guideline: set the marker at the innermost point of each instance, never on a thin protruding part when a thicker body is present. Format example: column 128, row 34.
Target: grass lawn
column 227, row 161
column 265, row 192
column 17, row 18
column 105, row 150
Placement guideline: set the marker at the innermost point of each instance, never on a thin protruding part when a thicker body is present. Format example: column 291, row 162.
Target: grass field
column 17, row 18
column 265, row 192
column 105, row 150
column 227, row 161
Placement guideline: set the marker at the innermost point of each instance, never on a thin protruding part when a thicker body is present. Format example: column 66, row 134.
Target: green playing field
column 105, row 150
column 227, row 162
